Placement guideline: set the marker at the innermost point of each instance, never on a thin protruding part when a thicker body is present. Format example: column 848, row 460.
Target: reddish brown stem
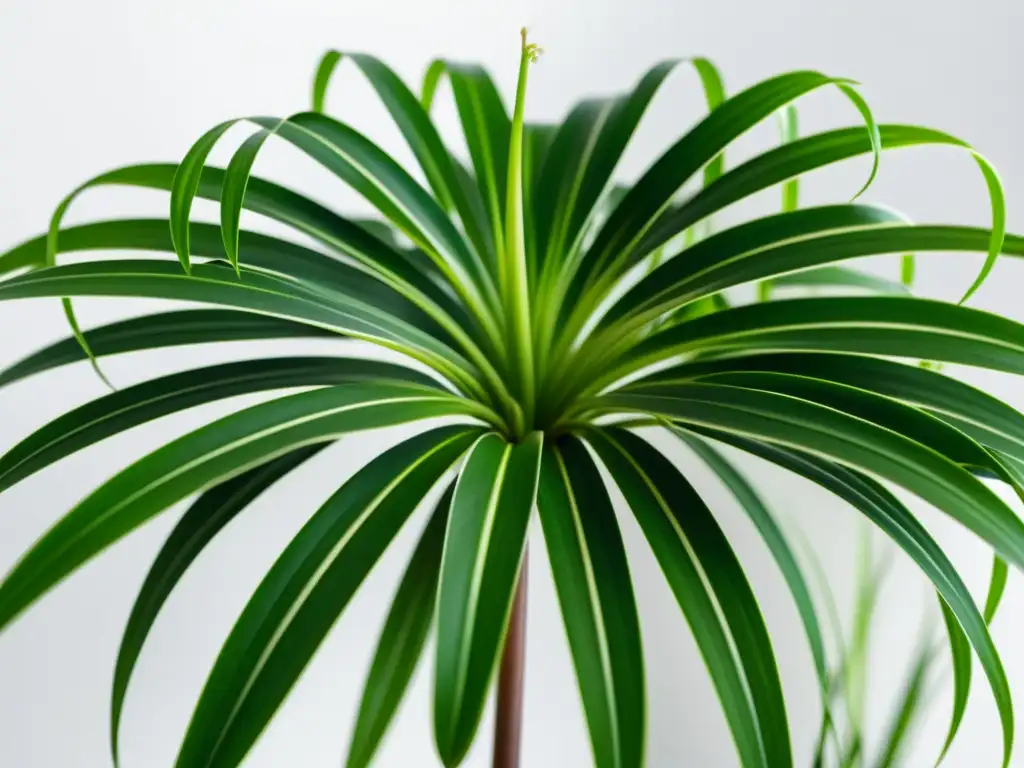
column 508, row 727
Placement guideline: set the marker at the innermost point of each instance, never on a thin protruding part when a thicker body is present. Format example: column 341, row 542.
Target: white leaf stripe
column 596, row 608
column 315, row 578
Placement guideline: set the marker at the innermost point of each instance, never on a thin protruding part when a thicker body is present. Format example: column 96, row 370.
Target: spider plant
column 549, row 316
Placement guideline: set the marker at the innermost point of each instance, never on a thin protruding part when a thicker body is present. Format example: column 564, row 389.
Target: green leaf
column 839, row 277
column 652, row 195
column 997, row 585
column 402, row 639
column 483, row 554
column 979, row 415
column 588, row 561
column 236, row 181
column 755, row 508
column 485, row 127
column 305, row 592
column 960, row 650
column 803, row 155
column 907, row 269
column 789, row 131
column 211, row 455
column 167, row 329
column 886, row 511
column 256, row 292
column 800, row 424
column 767, row 247
column 372, row 246
column 396, row 285
column 385, row 185
column 909, row 709
column 706, row 577
column 413, row 120
column 588, row 147
column 207, row 516
column 317, row 271
column 537, row 138
column 897, row 417
column 874, row 325
column 183, row 190
column 118, row 412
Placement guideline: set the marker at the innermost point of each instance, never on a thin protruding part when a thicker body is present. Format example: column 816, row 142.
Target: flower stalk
column 513, row 271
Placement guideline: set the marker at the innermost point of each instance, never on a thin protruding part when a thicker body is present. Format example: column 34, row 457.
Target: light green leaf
column 960, row 651
column 909, row 709
column 997, row 585
column 789, row 131
column 839, row 277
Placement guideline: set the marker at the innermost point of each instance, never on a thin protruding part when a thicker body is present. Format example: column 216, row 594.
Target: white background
column 89, row 86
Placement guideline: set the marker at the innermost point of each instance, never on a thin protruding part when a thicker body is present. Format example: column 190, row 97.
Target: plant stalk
column 508, row 726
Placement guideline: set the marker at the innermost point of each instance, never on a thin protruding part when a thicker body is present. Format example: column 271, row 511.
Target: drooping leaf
column 801, row 156
column 256, row 292
column 886, row 511
column 485, row 126
column 402, row 638
column 90, row 423
column 483, row 553
column 913, row 696
column 790, row 422
column 652, row 195
column 166, row 329
column 874, row 325
column 758, row 512
column 207, row 516
column 210, row 455
column 595, row 594
column 960, row 651
column 712, row 590
column 304, row 593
